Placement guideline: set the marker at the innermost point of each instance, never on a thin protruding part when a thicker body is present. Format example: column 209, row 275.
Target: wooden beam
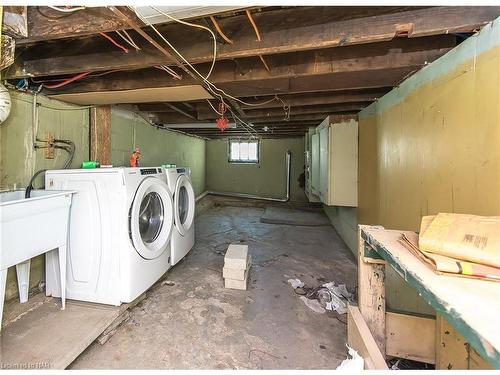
column 280, row 112
column 397, row 53
column 64, row 25
column 179, row 110
column 320, row 98
column 293, row 100
column 100, row 134
column 281, row 85
column 318, row 83
column 359, row 337
column 289, row 37
column 164, row 118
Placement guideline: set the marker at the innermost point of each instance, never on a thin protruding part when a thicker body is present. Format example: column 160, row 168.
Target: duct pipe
column 250, row 196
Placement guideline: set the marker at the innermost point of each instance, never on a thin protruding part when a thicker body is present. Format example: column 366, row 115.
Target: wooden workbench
column 469, row 306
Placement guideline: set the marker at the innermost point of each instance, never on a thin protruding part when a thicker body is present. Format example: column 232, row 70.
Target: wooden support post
column 371, row 293
column 100, row 134
column 360, row 338
column 453, row 352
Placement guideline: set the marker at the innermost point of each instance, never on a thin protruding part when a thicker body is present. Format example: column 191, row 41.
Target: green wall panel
column 266, row 179
column 158, row 146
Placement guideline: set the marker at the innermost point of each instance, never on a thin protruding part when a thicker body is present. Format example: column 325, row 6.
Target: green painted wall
column 158, row 146
column 19, row 160
column 433, row 145
column 345, row 221
column 266, row 179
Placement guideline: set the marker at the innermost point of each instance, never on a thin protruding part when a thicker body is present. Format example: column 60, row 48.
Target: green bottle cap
column 90, row 164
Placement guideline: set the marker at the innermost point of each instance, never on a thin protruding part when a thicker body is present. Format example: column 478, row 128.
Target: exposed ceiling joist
column 47, row 24
column 379, row 28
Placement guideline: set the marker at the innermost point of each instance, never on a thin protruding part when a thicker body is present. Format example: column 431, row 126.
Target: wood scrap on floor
column 360, row 338
column 52, row 338
column 286, row 216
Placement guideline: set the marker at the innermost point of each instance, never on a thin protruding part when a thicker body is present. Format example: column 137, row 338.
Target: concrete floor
column 197, row 324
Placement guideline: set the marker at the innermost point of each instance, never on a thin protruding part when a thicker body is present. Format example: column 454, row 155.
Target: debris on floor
column 328, row 296
column 237, row 264
column 356, row 363
column 296, row 283
column 408, row 364
column 313, row 304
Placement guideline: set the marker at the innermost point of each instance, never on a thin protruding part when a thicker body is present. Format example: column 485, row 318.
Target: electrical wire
column 71, row 154
column 114, row 42
column 169, row 71
column 65, row 82
column 127, row 38
column 53, row 17
column 210, row 86
column 66, row 10
column 205, row 80
column 199, row 27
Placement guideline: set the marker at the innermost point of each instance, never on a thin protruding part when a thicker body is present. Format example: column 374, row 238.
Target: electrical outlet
column 49, row 150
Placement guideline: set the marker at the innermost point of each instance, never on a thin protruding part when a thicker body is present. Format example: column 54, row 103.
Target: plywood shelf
column 470, row 306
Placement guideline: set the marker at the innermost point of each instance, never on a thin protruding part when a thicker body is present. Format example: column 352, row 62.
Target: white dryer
column 120, row 228
column 179, row 182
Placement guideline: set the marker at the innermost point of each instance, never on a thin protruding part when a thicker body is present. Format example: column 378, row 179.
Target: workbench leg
column 3, row 284
column 23, row 280
column 371, row 293
column 62, row 273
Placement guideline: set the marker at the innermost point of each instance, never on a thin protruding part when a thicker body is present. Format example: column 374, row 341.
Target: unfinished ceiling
column 279, row 70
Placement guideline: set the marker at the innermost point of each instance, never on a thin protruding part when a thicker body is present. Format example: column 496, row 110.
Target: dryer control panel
column 145, row 171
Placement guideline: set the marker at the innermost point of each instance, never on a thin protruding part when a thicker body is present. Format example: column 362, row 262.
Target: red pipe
column 65, row 82
column 114, row 42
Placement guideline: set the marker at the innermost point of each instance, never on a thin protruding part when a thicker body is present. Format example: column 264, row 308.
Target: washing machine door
column 151, row 218
column 184, row 204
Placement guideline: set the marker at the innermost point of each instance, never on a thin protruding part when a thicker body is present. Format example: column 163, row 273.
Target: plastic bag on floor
column 296, row 283
column 313, row 304
column 334, row 298
column 356, row 363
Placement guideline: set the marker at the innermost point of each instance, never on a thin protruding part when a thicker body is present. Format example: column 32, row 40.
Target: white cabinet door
column 323, row 164
column 315, row 164
column 343, row 178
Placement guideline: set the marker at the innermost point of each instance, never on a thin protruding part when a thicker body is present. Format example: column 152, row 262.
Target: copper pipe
column 264, row 62
column 219, row 30
column 250, row 18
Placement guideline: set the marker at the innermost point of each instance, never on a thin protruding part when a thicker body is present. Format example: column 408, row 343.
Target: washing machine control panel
column 150, row 171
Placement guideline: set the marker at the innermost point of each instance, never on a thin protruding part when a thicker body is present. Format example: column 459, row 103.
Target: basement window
column 244, row 151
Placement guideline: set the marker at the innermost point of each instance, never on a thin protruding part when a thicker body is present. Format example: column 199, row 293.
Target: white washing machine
column 179, row 182
column 120, row 229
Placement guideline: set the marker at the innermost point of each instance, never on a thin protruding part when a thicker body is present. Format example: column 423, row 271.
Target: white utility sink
column 30, row 227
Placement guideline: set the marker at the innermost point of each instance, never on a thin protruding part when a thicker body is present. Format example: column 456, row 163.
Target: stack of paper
column 465, row 245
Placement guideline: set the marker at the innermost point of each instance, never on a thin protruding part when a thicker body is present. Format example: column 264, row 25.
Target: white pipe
column 250, row 196
column 201, row 196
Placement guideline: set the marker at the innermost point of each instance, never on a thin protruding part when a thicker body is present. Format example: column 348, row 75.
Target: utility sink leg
column 23, row 280
column 3, row 282
column 62, row 272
